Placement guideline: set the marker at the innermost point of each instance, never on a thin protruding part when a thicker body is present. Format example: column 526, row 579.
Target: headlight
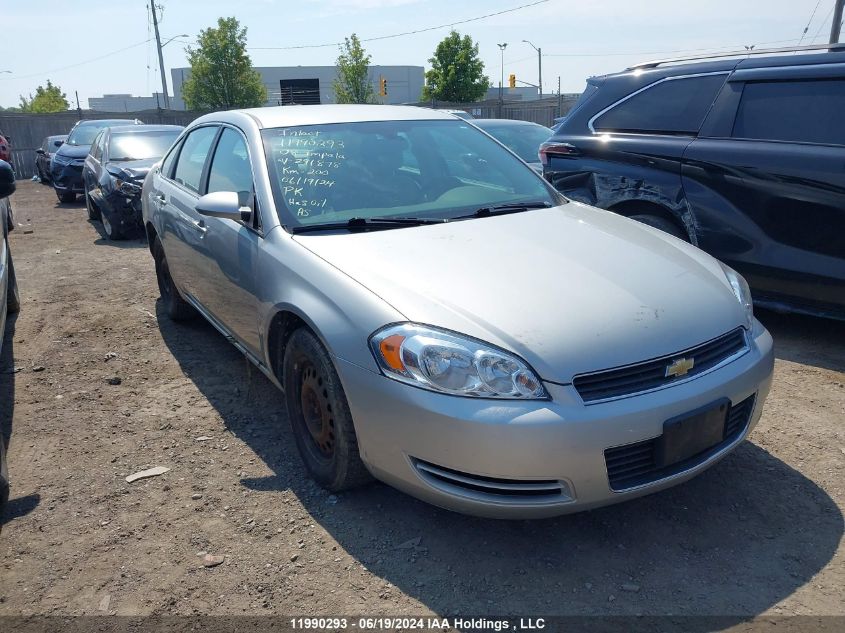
column 449, row 363
column 126, row 187
column 59, row 159
column 742, row 293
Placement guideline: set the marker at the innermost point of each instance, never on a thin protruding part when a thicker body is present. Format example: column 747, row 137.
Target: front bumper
column 67, row 178
column 124, row 211
column 410, row 438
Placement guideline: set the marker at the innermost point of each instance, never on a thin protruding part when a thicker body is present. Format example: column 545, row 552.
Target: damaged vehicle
column 740, row 154
column 66, row 164
column 44, row 154
column 114, row 171
column 458, row 330
column 9, row 295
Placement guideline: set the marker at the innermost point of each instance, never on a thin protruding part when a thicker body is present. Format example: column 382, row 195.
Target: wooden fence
column 28, row 131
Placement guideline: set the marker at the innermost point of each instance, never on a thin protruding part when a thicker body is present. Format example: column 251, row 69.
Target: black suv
column 743, row 157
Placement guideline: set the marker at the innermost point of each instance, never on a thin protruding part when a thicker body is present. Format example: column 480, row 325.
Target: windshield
column 422, row 169
column 522, row 140
column 84, row 133
column 140, row 145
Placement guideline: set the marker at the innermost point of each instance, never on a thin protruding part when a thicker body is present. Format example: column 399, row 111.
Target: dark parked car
column 66, row 164
column 744, row 157
column 44, row 153
column 523, row 138
column 115, row 169
column 9, row 297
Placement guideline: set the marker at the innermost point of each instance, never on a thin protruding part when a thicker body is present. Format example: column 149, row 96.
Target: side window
column 808, row 111
column 167, row 164
column 674, row 106
column 192, row 157
column 97, row 146
column 230, row 168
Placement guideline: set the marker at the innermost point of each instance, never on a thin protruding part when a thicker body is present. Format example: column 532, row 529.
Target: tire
column 319, row 414
column 13, row 296
column 112, row 232
column 176, row 307
column 67, row 196
column 93, row 210
column 667, row 226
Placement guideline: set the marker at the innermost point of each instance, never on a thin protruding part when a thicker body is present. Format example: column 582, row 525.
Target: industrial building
column 315, row 84
column 125, row 103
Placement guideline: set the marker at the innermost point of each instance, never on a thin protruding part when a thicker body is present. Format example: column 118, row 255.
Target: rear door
column 182, row 229
column 766, row 178
column 632, row 149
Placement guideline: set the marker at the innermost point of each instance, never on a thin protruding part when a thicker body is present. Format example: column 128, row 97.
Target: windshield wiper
column 509, row 207
column 363, row 224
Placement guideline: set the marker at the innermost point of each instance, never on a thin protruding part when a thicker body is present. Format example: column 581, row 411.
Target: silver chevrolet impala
column 438, row 317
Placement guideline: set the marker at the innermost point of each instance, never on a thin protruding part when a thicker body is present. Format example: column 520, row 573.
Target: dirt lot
column 759, row 533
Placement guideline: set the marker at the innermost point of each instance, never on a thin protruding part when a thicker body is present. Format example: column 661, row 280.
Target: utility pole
column 539, row 66
column 160, row 56
column 836, row 25
column 78, row 109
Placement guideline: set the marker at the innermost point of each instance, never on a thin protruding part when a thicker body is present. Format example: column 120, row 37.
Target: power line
column 394, row 35
column 821, row 26
column 664, row 52
column 809, row 22
column 87, row 61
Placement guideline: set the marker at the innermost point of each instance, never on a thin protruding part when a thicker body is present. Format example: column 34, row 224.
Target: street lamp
column 173, row 38
column 502, row 48
column 539, row 65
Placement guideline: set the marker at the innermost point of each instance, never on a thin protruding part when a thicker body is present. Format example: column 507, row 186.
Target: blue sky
column 579, row 38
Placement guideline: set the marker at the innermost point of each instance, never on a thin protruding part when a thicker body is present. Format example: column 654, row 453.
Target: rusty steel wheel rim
column 317, row 410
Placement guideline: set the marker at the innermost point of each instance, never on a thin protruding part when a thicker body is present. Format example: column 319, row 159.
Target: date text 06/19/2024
column 419, row 623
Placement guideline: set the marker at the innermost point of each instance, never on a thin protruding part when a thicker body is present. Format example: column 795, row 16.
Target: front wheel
column 319, row 415
column 176, row 307
column 91, row 207
column 66, row 196
column 112, row 232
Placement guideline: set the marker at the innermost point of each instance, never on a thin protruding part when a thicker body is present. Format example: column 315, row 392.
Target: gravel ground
column 108, row 386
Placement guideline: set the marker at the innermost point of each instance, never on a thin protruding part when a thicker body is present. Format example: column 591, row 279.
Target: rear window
column 673, row 106
column 808, row 111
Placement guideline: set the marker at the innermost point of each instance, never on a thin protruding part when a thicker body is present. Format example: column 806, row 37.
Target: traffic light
column 382, row 87
column 512, row 80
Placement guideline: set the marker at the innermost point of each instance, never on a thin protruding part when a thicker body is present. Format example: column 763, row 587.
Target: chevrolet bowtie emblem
column 679, row 367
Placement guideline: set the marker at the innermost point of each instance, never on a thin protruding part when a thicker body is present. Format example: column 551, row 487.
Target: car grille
column 635, row 464
column 631, row 379
column 493, row 488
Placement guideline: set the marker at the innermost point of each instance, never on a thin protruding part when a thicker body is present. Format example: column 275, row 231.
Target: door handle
column 200, row 226
column 159, row 199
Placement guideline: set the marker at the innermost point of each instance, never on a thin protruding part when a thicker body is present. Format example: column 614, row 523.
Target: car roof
column 652, row 71
column 140, row 129
column 108, row 122
column 285, row 116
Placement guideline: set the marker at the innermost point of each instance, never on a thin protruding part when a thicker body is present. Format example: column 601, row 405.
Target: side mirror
column 58, row 143
column 231, row 205
column 40, row 151
column 7, row 179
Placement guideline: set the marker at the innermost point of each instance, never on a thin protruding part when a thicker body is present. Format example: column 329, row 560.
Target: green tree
column 353, row 64
column 47, row 98
column 222, row 75
column 457, row 74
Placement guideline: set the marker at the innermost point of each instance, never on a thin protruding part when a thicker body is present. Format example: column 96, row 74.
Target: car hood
column 132, row 169
column 73, row 151
column 571, row 289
